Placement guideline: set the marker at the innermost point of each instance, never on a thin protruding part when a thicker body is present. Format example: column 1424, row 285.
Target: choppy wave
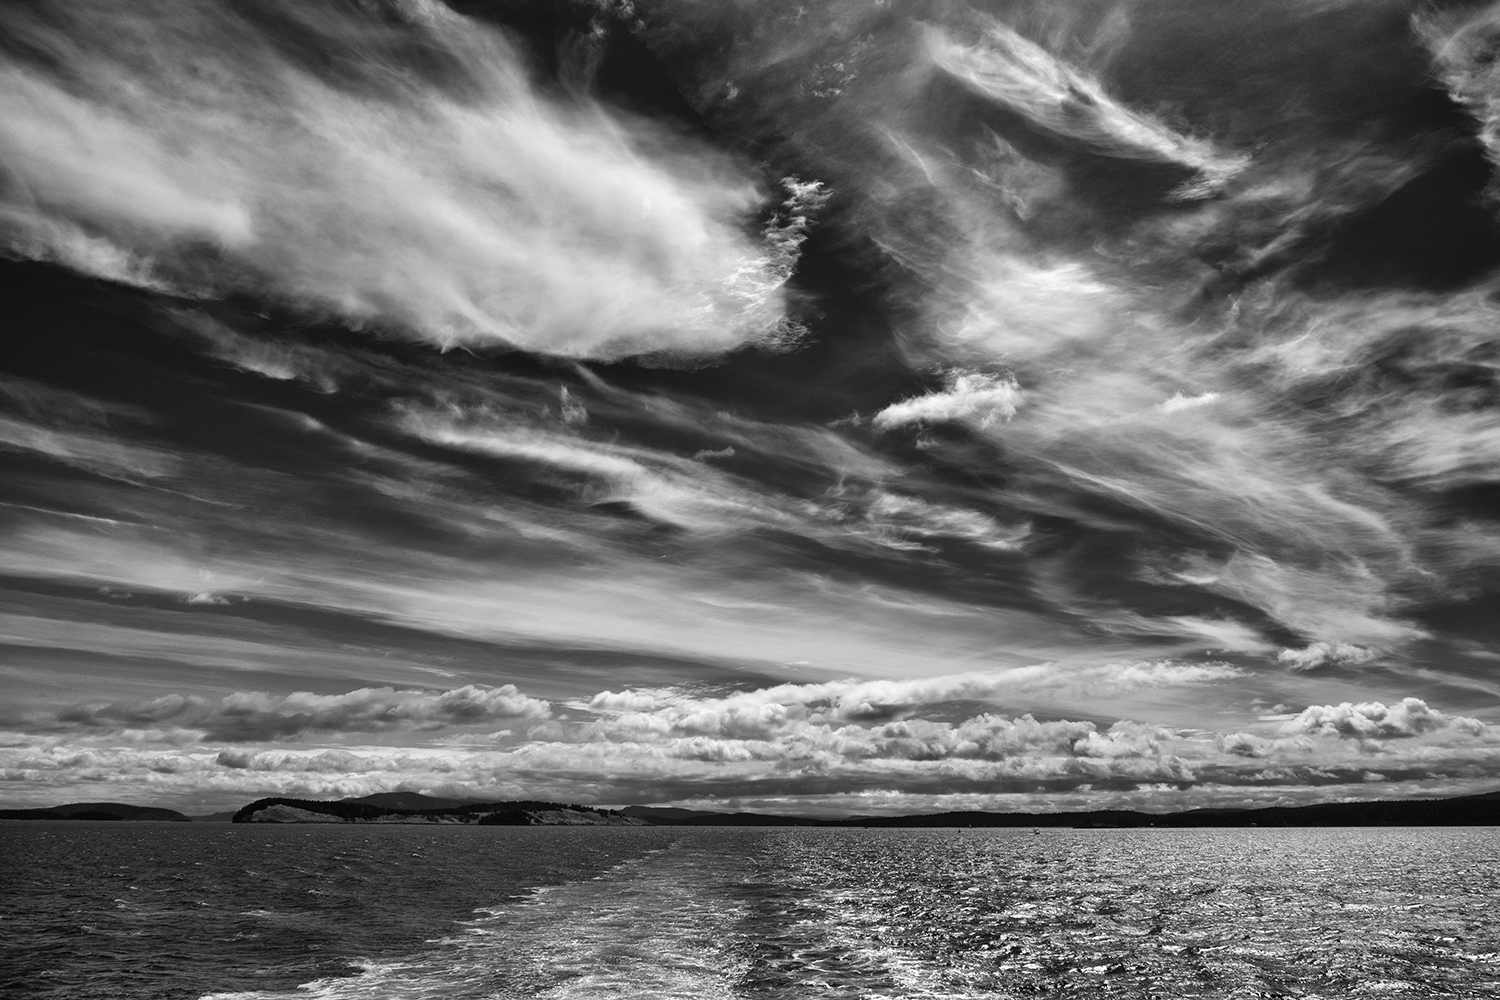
column 953, row 914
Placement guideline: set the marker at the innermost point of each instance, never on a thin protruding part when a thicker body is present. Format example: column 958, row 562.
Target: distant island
column 525, row 813
column 415, row 807
column 107, row 811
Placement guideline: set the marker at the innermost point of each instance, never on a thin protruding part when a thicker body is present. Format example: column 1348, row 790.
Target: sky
column 840, row 407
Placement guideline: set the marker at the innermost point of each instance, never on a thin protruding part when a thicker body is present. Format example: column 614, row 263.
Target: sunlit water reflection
column 355, row 913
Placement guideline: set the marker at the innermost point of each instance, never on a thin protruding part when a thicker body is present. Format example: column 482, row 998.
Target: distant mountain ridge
column 416, row 807
column 1467, row 810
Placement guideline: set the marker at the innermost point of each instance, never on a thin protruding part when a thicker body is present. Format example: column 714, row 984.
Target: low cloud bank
column 254, row 716
column 765, row 711
column 806, row 745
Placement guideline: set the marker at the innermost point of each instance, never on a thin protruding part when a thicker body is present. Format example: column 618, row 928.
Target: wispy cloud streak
column 417, row 180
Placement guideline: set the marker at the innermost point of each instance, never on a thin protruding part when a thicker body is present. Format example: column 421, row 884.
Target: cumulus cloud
column 706, row 773
column 236, row 758
column 1246, row 745
column 417, row 180
column 764, row 712
column 250, row 716
column 975, row 398
column 1321, row 654
column 807, row 756
column 1375, row 720
column 983, row 737
column 1124, row 739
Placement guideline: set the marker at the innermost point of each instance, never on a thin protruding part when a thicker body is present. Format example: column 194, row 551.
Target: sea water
column 337, row 913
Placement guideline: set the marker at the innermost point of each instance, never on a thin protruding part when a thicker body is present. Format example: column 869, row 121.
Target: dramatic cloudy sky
column 836, row 406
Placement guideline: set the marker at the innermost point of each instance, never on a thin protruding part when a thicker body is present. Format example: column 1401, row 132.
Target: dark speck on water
column 130, row 911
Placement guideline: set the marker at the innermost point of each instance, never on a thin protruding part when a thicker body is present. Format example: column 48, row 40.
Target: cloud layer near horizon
column 255, row 716
column 796, row 746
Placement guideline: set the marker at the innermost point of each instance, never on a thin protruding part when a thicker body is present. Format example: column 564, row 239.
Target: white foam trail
column 660, row 926
column 184, row 144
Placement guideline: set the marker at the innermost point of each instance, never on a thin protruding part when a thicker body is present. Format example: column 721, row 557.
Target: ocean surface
column 126, row 910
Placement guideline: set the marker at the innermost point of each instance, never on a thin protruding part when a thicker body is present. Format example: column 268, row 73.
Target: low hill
column 525, row 813
column 106, row 811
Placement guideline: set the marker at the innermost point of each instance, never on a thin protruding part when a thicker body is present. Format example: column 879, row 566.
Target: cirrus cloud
column 425, row 185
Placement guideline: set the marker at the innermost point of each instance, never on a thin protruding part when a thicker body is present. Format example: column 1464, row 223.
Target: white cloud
column 1462, row 44
column 660, row 485
column 91, row 452
column 1342, row 598
column 1246, row 745
column 1015, row 72
column 1376, row 720
column 808, row 748
column 912, row 515
column 1124, row 739
column 468, row 207
column 1180, row 402
column 974, row 398
column 254, row 716
column 1321, row 654
column 769, row 713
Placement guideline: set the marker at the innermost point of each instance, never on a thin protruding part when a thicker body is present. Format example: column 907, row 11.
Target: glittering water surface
column 152, row 910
